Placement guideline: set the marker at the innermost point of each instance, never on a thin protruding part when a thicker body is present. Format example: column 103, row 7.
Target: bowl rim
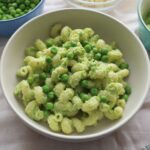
column 60, row 136
column 34, row 9
column 96, row 3
column 140, row 15
column 104, row 9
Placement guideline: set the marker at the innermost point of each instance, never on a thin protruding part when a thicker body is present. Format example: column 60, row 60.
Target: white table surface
column 134, row 135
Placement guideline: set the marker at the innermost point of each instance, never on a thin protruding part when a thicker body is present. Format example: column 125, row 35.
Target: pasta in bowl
column 73, row 80
column 30, row 39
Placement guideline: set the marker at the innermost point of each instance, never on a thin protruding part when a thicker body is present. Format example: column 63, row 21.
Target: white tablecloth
column 134, row 135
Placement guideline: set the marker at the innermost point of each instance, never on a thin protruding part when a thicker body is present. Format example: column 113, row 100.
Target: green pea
column 30, row 79
column 94, row 91
column 125, row 97
column 67, row 45
column 18, row 10
column 84, row 97
column 70, row 55
column 12, row 12
column 43, row 76
column 48, row 59
column 4, row 18
column 29, row 10
column 95, row 50
column 9, row 17
column 14, row 5
column 124, row 66
column 1, row 12
column 104, row 51
column 26, row 11
column 36, row 1
column 88, row 48
column 49, row 42
column 148, row 26
column 22, row 6
column 46, row 89
column 54, row 50
column 103, row 99
column 84, row 83
column 98, row 56
column 17, row 15
column 18, row 1
column 4, row 8
column 51, row 95
column 49, row 106
column 27, row 2
column 64, row 77
column 36, row 77
column 104, row 58
column 73, row 44
column 84, row 43
column 46, row 113
column 128, row 90
column 32, row 5
column 21, row 13
column 11, row 8
column 147, row 20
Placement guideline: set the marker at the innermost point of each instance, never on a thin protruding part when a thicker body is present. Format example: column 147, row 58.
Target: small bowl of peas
column 144, row 22
column 14, row 13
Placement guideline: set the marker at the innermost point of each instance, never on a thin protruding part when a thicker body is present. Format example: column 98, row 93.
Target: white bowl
column 111, row 30
column 100, row 6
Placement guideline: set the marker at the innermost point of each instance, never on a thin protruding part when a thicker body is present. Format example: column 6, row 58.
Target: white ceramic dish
column 111, row 30
column 100, row 6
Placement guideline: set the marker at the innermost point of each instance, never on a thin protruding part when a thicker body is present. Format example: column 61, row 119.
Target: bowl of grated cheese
column 100, row 5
